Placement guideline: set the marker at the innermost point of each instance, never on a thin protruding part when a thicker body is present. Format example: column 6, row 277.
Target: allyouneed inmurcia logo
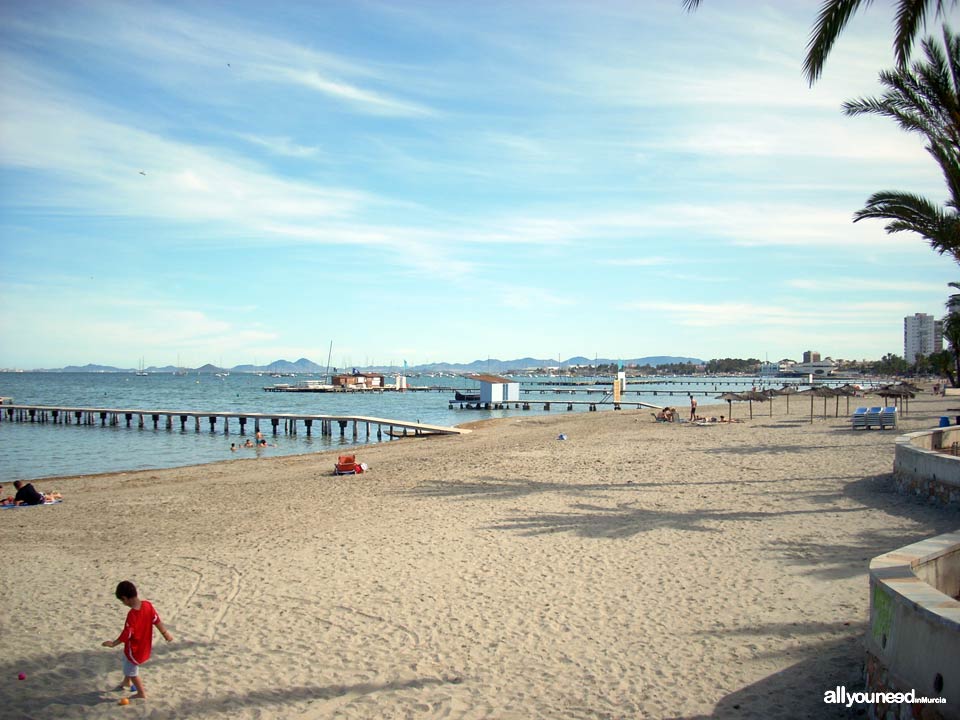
column 840, row 696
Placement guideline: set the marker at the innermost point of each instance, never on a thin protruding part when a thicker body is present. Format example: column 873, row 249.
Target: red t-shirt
column 137, row 635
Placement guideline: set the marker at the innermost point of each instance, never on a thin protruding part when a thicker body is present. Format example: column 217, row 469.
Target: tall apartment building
column 922, row 334
column 811, row 356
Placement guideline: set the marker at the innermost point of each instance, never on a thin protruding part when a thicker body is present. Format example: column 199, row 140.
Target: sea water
column 31, row 450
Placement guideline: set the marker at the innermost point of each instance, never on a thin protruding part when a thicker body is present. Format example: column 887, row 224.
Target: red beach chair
column 347, row 465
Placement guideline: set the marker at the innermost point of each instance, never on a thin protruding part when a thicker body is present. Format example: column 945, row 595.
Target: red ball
column 22, row 676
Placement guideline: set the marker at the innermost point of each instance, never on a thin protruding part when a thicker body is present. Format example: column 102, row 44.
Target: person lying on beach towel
column 28, row 495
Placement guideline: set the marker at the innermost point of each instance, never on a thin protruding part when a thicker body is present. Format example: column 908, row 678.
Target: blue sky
column 446, row 181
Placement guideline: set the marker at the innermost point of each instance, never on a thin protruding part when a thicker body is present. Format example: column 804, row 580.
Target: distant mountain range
column 304, row 366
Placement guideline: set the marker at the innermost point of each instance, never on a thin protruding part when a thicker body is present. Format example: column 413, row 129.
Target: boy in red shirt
column 137, row 635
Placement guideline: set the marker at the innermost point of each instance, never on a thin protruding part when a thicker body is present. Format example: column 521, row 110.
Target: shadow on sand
column 797, row 692
column 60, row 684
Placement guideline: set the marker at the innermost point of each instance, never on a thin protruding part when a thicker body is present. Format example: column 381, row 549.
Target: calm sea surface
column 34, row 451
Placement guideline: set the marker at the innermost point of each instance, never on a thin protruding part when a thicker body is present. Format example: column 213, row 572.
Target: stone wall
column 913, row 643
column 920, row 469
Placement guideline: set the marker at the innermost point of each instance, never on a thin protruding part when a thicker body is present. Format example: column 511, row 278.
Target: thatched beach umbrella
column 752, row 396
column 897, row 392
column 786, row 391
column 771, row 393
column 729, row 397
column 849, row 391
column 818, row 391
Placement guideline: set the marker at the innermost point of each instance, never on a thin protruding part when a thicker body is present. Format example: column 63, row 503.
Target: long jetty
column 288, row 423
column 548, row 404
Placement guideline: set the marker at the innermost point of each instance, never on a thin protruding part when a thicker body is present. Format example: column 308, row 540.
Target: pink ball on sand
column 22, row 676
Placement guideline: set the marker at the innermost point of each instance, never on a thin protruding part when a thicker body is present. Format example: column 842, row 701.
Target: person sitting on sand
column 27, row 494
column 665, row 415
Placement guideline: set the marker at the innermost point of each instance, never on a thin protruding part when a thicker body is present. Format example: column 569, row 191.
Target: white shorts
column 130, row 669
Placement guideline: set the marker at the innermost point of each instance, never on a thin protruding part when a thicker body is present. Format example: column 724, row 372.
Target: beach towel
column 48, row 502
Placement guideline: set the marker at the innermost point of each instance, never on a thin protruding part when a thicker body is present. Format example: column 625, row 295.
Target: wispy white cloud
column 636, row 261
column 525, row 298
column 123, row 325
column 790, row 136
column 852, row 284
column 100, row 162
column 175, row 45
column 367, row 100
column 520, row 146
column 281, row 146
column 747, row 315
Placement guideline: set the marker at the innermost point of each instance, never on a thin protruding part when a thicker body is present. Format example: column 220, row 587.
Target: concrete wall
column 914, row 637
column 920, row 470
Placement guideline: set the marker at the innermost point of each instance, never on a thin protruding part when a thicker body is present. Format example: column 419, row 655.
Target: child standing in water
column 137, row 635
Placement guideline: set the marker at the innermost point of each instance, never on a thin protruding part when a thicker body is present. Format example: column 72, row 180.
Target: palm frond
column 911, row 17
column 691, row 5
column 833, row 17
column 907, row 212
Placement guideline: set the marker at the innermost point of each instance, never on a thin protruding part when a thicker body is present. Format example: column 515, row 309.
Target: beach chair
column 873, row 418
column 888, row 418
column 347, row 465
column 859, row 418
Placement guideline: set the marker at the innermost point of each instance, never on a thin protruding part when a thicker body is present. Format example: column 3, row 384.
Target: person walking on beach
column 137, row 635
column 693, row 408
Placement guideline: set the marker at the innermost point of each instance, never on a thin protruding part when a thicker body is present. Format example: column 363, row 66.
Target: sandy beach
column 633, row 570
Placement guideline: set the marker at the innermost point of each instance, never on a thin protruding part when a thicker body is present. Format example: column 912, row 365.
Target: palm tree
column 923, row 99
column 951, row 333
column 942, row 364
column 835, row 14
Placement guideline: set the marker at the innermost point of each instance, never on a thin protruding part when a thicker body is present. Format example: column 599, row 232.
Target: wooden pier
column 287, row 423
column 548, row 404
column 308, row 388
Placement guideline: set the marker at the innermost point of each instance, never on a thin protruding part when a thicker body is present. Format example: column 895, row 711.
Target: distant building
column 358, row 381
column 811, row 356
column 769, row 368
column 922, row 335
column 494, row 389
column 818, row 367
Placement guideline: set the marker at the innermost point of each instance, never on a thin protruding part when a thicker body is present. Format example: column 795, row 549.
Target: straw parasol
column 752, row 396
column 848, row 391
column 729, row 397
column 771, row 393
column 818, row 391
column 901, row 392
column 786, row 391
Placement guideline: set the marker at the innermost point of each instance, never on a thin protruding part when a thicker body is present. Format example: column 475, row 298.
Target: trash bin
column 944, row 422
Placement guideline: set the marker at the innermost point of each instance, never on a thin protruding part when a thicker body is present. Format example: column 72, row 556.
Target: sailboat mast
column 329, row 355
